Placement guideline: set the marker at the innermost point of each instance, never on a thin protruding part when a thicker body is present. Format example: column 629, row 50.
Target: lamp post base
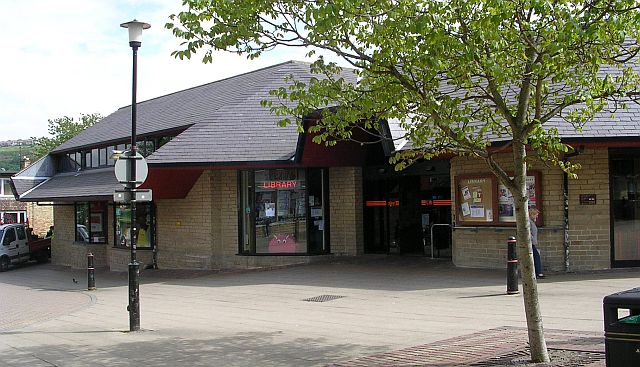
column 134, row 296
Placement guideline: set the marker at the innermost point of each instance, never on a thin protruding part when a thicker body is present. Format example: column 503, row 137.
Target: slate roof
column 95, row 183
column 615, row 122
column 241, row 130
column 224, row 119
column 33, row 175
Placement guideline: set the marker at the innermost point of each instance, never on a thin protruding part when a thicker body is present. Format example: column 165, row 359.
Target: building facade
column 231, row 189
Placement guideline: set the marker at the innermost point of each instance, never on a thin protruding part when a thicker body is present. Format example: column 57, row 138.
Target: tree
column 62, row 129
column 459, row 75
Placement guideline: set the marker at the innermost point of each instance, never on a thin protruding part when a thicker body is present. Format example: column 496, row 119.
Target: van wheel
column 4, row 264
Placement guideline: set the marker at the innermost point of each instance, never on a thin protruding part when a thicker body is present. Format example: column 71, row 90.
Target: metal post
column 134, row 267
column 512, row 267
column 91, row 273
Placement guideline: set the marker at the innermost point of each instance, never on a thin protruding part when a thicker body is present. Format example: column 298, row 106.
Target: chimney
column 24, row 162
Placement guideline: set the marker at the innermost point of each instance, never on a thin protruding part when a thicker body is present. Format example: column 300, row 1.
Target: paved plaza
column 376, row 311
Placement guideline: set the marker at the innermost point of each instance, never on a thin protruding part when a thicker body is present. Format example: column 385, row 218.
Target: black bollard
column 91, row 273
column 512, row 267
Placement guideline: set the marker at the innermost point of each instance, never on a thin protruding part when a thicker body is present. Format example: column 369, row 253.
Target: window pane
column 21, row 234
column 82, row 222
column 98, row 227
column 280, row 211
column 94, row 158
column 110, row 162
column 9, row 237
column 143, row 222
column 6, row 187
column 8, row 218
column 103, row 157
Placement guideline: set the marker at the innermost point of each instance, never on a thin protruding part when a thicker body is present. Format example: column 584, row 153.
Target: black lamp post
column 135, row 41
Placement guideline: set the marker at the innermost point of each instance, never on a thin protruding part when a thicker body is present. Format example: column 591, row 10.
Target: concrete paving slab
column 261, row 318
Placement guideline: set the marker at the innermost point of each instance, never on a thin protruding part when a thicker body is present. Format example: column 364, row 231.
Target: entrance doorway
column 408, row 212
column 625, row 207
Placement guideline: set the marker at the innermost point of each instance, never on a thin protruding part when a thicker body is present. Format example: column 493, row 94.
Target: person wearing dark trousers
column 533, row 216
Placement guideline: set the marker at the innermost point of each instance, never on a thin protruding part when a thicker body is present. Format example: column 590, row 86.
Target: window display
column 475, row 199
column 275, row 218
column 483, row 200
column 143, row 221
column 91, row 219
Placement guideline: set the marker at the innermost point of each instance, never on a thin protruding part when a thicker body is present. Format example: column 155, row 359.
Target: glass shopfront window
column 279, row 215
column 144, row 222
column 91, row 222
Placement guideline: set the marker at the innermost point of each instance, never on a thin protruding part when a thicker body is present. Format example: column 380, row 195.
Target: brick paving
column 479, row 347
column 21, row 306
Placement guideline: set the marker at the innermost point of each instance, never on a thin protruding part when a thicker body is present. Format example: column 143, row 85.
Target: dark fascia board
column 70, row 199
column 226, row 165
column 125, row 140
column 387, row 143
column 302, row 137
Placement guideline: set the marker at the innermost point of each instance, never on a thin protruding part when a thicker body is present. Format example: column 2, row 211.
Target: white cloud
column 67, row 57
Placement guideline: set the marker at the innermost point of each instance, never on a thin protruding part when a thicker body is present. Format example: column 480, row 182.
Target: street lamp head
column 135, row 31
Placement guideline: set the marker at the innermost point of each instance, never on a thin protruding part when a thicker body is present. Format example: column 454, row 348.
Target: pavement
column 378, row 311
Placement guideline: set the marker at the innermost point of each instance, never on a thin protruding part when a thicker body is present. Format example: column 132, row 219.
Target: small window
column 110, row 162
column 9, row 236
column 86, row 162
column 95, row 158
column 91, row 222
column 103, row 157
column 21, row 233
column 144, row 224
column 5, row 188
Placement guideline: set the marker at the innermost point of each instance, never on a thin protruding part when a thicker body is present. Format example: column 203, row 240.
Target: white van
column 16, row 248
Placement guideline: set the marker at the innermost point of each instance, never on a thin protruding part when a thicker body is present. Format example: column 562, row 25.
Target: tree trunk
column 532, row 310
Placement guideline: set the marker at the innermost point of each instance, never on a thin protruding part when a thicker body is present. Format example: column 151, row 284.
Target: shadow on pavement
column 242, row 349
column 391, row 273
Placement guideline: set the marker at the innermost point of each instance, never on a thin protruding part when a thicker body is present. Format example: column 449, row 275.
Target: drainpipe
column 565, row 195
column 566, row 244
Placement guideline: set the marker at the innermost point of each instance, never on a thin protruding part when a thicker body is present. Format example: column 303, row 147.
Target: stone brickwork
column 477, row 246
column 65, row 250
column 346, row 211
column 589, row 225
column 40, row 217
column 224, row 219
column 184, row 228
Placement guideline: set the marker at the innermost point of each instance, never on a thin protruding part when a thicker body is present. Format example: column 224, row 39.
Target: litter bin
column 622, row 328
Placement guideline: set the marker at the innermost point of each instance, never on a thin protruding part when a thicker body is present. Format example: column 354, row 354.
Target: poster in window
column 269, row 209
column 475, row 199
column 506, row 204
column 506, row 207
column 96, row 222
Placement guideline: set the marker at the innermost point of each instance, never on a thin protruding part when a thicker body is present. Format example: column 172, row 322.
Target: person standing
column 533, row 216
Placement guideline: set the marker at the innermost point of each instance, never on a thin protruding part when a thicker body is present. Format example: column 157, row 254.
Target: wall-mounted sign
column 587, row 199
column 278, row 184
column 476, row 198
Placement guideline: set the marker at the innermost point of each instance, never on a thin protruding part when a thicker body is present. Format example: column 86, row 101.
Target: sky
column 71, row 57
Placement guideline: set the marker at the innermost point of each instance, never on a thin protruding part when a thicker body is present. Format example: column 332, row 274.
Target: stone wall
column 64, row 248
column 40, row 217
column 479, row 246
column 589, row 225
column 346, row 211
column 184, row 228
column 224, row 219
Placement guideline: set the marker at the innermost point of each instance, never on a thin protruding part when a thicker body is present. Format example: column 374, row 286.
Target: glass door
column 625, row 207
